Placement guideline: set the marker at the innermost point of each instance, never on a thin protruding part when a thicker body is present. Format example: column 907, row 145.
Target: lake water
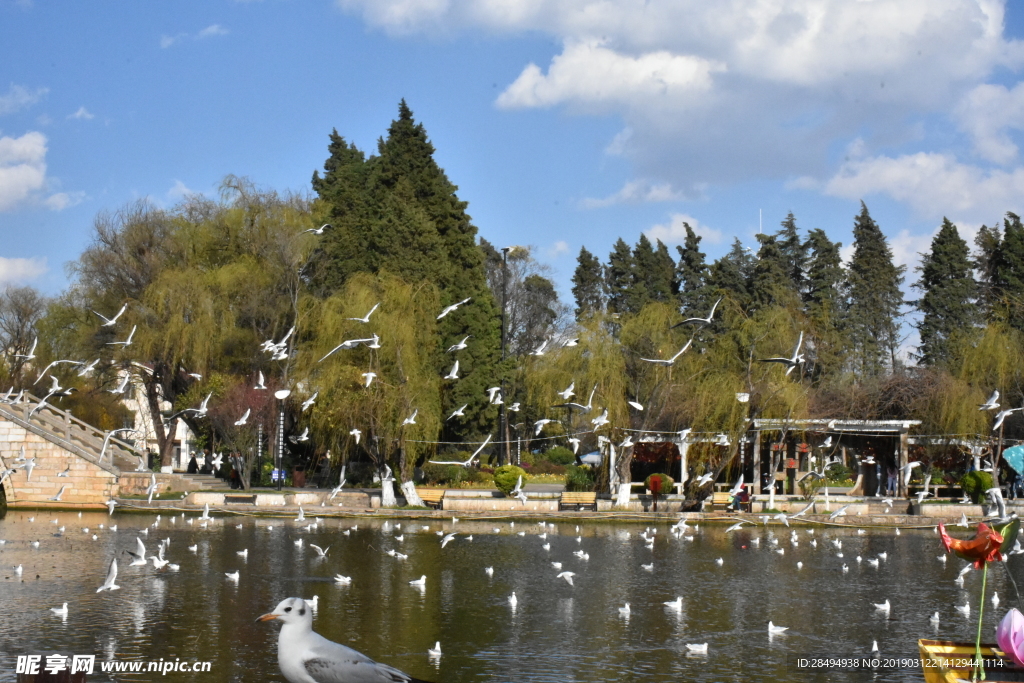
column 557, row 632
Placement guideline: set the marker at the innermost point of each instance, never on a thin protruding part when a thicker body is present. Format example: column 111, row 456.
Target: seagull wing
column 329, row 662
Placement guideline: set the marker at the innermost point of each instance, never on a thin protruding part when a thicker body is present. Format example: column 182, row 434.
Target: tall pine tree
column 588, row 285
column 794, row 252
column 987, row 241
column 875, row 298
column 771, row 283
column 1009, row 272
column 691, row 272
column 397, row 212
column 731, row 275
column 948, row 304
column 618, row 277
column 823, row 298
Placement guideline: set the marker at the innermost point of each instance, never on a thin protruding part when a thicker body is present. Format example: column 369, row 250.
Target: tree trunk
column 411, row 497
column 164, row 434
column 387, row 493
column 622, row 499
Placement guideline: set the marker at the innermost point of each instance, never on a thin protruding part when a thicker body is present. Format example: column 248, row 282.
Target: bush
column 506, row 477
column 560, row 455
column 446, row 475
column 579, row 478
column 666, row 483
column 547, row 467
column 975, row 484
column 838, row 472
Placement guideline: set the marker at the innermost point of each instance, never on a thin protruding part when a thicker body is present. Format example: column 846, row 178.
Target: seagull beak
column 268, row 617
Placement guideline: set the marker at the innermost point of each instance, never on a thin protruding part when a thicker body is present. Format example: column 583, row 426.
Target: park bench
column 577, row 500
column 720, row 501
column 431, row 497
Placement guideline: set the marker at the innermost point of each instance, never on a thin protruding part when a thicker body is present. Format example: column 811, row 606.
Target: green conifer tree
column 588, row 285
column 771, row 283
column 987, row 241
column 731, row 274
column 948, row 305
column 691, row 272
column 618, row 277
column 794, row 252
column 825, row 282
column 875, row 298
column 1009, row 272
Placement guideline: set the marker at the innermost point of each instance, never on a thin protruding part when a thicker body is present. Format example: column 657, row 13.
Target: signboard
column 276, row 475
column 790, row 464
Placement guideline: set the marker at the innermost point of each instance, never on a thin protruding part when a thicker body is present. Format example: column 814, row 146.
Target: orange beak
column 267, row 617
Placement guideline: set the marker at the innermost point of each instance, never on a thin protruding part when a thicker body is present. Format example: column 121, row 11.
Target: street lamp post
column 502, row 417
column 280, row 396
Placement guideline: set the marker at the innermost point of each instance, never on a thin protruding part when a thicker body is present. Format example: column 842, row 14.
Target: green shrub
column 838, row 472
column 975, row 484
column 447, row 475
column 527, row 458
column 579, row 478
column 666, row 483
column 480, row 476
column 547, row 467
column 506, row 477
column 560, row 455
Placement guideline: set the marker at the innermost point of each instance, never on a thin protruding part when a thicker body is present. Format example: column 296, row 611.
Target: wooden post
column 756, row 483
column 901, row 488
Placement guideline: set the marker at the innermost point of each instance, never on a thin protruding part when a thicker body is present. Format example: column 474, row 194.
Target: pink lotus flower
column 1010, row 635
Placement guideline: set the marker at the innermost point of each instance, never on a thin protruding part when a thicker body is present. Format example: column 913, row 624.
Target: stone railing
column 77, row 436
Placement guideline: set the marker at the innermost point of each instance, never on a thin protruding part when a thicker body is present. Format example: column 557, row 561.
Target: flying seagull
column 108, row 322
column 368, row 376
column 127, row 342
column 309, row 401
column 347, row 344
column 672, row 360
column 454, row 372
column 411, row 420
column 241, row 421
column 791, row 362
column 260, row 383
column 705, row 321
column 31, row 352
column 568, row 393
column 459, row 412
column 992, row 403
column 451, row 308
column 317, row 231
column 1002, row 415
column 468, row 462
column 461, row 345
column 305, row 656
column 577, row 406
column 108, row 584
column 366, row 318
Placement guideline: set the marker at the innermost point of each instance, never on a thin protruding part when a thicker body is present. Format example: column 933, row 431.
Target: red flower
column 983, row 548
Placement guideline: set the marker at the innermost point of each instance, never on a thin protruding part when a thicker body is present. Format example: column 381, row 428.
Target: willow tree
column 597, row 369
column 403, row 382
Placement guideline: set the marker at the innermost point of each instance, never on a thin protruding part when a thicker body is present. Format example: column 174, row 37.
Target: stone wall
column 88, row 484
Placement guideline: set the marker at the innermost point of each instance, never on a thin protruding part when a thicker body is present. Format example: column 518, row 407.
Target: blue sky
column 564, row 123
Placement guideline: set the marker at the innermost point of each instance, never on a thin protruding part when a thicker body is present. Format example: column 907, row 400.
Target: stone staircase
column 202, row 482
column 68, row 432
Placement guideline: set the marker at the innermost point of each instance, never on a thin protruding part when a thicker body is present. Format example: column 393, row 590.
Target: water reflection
column 554, row 632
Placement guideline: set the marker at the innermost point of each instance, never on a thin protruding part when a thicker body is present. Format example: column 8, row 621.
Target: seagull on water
column 624, row 610
column 305, row 656
column 675, row 605
column 701, row 649
column 776, row 630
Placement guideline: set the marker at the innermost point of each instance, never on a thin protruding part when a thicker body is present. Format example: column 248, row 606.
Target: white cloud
column 713, row 92
column 933, row 184
column 212, row 30
column 23, row 174
column 179, row 191
column 635, row 191
column 986, row 114
column 21, row 269
column 674, row 232
column 82, row 113
column 588, row 73
column 18, row 97
column 22, row 168
column 557, row 249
